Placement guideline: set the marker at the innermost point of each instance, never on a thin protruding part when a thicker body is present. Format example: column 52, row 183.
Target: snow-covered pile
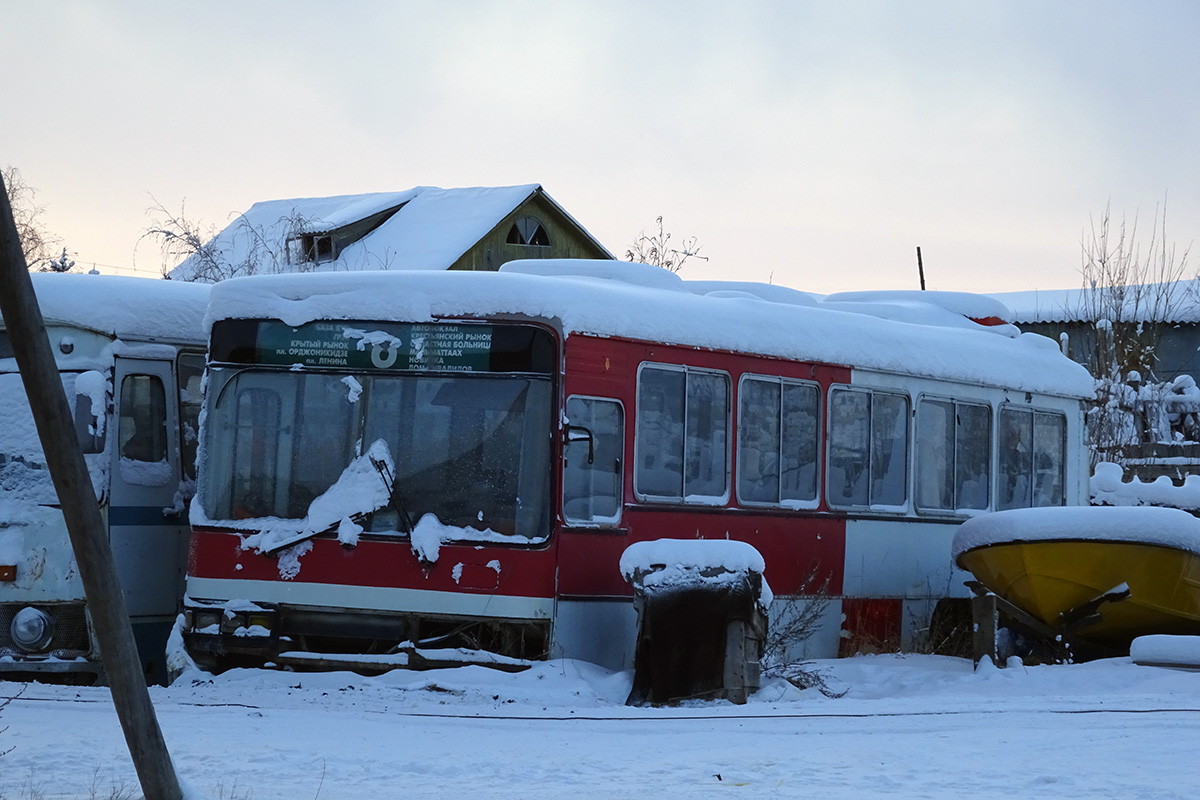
column 952, row 309
column 1110, row 489
column 1167, row 527
column 1166, row 649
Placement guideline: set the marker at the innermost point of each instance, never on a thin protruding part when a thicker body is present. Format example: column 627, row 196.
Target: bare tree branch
column 38, row 243
column 655, row 249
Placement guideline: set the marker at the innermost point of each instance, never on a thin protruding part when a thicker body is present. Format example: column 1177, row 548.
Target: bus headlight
column 31, row 629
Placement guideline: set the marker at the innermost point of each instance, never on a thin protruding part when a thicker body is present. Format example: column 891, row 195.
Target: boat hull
column 1049, row 578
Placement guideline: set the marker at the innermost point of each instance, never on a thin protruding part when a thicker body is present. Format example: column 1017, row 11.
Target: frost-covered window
column 682, row 434
column 777, row 441
column 1032, row 448
column 142, row 428
column 868, row 448
column 592, row 461
column 953, row 455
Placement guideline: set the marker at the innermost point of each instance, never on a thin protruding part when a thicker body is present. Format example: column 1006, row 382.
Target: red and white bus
column 397, row 462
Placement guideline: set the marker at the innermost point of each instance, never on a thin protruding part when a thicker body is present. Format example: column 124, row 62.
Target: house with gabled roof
column 426, row 227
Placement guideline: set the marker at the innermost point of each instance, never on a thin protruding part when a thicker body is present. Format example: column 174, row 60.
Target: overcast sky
column 811, row 144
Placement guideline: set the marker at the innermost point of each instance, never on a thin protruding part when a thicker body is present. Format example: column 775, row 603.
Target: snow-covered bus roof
column 641, row 302
column 136, row 309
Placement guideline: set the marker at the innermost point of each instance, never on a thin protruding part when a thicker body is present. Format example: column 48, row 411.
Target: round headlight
column 32, row 629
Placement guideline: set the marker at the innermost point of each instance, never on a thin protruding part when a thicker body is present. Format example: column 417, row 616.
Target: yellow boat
column 1055, row 563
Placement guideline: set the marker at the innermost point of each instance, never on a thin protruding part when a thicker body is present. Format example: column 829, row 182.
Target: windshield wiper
column 395, row 494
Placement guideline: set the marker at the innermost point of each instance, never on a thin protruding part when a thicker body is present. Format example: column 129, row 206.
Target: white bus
column 131, row 355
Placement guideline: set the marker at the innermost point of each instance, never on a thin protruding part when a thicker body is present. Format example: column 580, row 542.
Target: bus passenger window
column 1032, row 458
column 973, row 456
column 868, row 448
column 849, row 447
column 777, row 441
column 889, row 449
column 1049, row 446
column 682, row 435
column 1016, row 459
column 798, row 449
column 592, row 463
column 706, row 448
column 660, row 413
column 953, row 455
column 935, row 455
column 758, row 441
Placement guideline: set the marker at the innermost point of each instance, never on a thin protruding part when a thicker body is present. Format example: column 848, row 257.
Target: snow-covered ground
column 907, row 727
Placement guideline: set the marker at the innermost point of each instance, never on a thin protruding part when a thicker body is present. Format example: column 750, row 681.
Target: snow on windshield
column 830, row 332
column 360, row 489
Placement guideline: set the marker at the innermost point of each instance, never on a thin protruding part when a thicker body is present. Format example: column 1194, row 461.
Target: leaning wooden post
column 97, row 570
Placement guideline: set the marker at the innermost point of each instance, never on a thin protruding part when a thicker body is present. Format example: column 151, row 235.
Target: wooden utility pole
column 97, row 569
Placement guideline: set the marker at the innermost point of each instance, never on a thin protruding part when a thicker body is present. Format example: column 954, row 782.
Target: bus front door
column 147, row 527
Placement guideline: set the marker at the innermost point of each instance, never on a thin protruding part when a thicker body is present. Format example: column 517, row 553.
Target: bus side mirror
column 578, row 433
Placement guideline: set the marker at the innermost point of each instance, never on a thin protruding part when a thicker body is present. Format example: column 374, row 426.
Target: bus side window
column 190, row 371
column 868, row 448
column 592, row 461
column 1032, row 458
column 953, row 455
column 682, row 447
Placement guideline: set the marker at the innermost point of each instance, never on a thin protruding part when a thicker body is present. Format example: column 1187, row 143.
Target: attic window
column 529, row 231
column 318, row 247
column 311, row 248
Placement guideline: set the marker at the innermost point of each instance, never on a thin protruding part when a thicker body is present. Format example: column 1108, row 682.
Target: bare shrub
column 796, row 619
column 180, row 238
column 655, row 249
column 1129, row 291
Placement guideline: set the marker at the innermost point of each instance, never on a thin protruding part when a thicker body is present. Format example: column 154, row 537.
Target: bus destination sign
column 377, row 345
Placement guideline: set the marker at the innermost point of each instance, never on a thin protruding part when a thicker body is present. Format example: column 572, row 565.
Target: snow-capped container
column 702, row 619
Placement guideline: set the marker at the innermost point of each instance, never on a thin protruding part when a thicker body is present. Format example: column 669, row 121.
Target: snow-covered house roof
column 1077, row 305
column 421, row 228
column 613, row 298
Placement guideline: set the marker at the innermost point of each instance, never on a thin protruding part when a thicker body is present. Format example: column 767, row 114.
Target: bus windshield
column 473, row 449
